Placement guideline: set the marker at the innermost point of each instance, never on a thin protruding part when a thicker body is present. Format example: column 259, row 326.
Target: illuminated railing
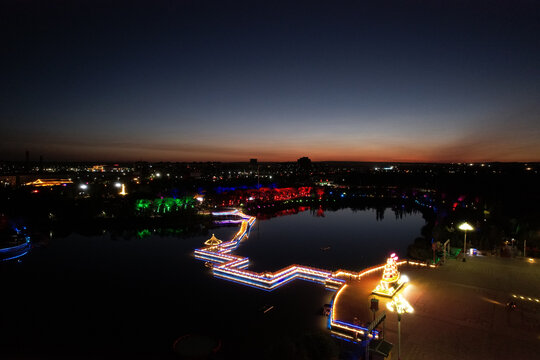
column 345, row 328
column 16, row 251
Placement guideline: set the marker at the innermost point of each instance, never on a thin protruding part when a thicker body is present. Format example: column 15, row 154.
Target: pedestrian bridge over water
column 232, row 267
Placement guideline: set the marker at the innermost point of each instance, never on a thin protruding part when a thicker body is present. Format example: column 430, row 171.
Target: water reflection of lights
column 15, row 252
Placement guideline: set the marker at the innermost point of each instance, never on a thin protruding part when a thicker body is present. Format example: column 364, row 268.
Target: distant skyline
column 414, row 81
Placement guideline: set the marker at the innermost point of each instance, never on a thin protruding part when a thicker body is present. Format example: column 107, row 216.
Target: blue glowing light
column 16, row 251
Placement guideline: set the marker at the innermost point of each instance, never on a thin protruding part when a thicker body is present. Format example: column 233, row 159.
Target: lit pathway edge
column 16, row 251
column 233, row 268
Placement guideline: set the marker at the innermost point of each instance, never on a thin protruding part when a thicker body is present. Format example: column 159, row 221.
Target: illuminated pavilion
column 213, row 241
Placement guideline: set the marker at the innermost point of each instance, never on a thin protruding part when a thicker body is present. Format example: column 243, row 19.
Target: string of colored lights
column 525, row 298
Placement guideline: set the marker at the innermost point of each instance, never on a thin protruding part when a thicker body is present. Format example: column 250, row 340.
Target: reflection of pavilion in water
column 233, row 268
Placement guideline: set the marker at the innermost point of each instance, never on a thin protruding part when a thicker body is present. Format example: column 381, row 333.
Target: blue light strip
column 14, row 248
column 16, row 257
column 25, row 247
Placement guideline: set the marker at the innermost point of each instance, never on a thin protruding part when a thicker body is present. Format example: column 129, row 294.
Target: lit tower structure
column 391, row 280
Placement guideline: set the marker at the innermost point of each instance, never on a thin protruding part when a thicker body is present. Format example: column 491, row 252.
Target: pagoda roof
column 213, row 241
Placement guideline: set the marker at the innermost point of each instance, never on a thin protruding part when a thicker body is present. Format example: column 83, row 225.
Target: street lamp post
column 399, row 335
column 400, row 306
column 465, row 227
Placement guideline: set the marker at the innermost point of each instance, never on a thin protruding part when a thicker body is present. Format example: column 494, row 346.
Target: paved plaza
column 460, row 310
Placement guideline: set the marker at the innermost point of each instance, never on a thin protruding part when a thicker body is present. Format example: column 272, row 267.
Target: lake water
column 115, row 297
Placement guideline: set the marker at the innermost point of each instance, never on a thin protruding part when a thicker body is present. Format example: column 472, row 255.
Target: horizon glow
column 229, row 82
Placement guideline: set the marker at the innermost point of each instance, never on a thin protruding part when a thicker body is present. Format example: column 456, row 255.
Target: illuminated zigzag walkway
column 232, row 267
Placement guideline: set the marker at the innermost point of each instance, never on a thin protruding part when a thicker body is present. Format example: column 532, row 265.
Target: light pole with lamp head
column 465, row 227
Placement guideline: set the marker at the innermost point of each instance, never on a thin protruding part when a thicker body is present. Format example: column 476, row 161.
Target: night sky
column 453, row 81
